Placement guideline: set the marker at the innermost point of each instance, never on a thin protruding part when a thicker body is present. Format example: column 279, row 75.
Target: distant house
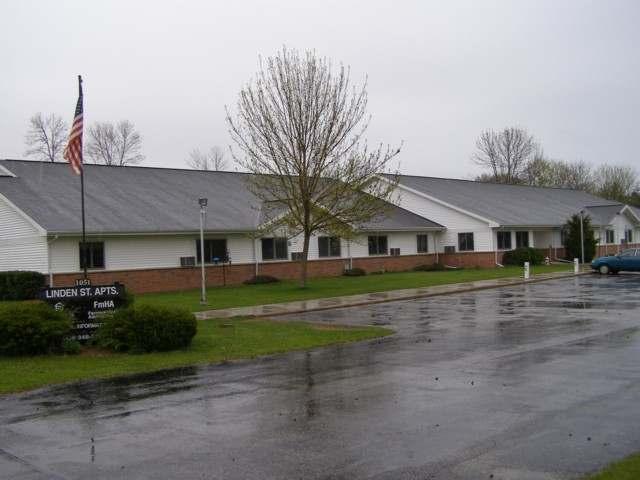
column 143, row 226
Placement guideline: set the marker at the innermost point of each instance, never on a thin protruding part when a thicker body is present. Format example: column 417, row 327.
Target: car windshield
column 628, row 253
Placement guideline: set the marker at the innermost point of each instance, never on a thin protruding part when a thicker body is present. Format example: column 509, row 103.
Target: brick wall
column 172, row 279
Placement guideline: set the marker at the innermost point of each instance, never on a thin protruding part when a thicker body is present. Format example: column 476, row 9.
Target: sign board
column 86, row 302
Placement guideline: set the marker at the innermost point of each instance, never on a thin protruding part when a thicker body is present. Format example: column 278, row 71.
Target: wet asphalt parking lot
column 538, row 381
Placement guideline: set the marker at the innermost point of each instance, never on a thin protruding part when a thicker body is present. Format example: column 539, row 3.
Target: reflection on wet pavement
column 536, row 381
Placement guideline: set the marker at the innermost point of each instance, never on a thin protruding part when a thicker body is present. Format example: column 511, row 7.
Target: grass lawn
column 288, row 291
column 627, row 469
column 214, row 342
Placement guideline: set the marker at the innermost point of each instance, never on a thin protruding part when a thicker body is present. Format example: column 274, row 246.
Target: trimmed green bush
column 32, row 328
column 260, row 279
column 521, row 255
column 147, row 328
column 71, row 346
column 572, row 239
column 354, row 272
column 20, row 284
column 434, row 267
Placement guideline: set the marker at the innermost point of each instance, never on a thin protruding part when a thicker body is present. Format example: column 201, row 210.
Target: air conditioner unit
column 394, row 252
column 449, row 249
column 296, row 256
column 187, row 261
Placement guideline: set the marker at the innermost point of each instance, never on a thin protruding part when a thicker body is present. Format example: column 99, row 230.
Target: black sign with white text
column 87, row 303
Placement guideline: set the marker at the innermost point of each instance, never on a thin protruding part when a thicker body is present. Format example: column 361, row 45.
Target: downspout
column 435, row 245
column 255, row 255
column 349, row 254
column 49, row 242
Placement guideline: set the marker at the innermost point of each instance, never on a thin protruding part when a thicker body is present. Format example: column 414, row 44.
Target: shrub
column 434, row 267
column 71, row 346
column 354, row 272
column 260, row 279
column 572, row 238
column 20, row 285
column 521, row 255
column 32, row 328
column 147, row 329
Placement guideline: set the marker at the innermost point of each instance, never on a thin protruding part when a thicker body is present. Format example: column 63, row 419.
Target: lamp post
column 581, row 237
column 203, row 212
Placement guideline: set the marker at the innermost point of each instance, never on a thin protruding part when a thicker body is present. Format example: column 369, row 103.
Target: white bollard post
column 527, row 273
column 576, row 266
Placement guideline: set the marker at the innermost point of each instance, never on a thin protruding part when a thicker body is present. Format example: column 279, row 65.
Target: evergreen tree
column 572, row 238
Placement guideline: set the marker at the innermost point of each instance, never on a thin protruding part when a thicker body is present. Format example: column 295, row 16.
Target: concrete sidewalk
column 276, row 309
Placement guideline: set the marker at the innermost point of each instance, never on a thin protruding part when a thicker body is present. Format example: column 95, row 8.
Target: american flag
column 73, row 150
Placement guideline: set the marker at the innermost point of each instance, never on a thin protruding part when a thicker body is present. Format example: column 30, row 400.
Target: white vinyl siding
column 129, row 252
column 22, row 245
column 454, row 221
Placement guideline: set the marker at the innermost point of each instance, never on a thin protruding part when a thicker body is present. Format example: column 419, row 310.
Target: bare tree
column 299, row 126
column 210, row 160
column 505, row 153
column 46, row 137
column 118, row 144
column 616, row 182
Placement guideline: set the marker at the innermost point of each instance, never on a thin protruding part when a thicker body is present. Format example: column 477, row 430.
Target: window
column 610, row 236
column 377, row 245
column 328, row 246
column 628, row 253
column 465, row 242
column 628, row 236
column 522, row 239
column 93, row 253
column 215, row 250
column 274, row 248
column 423, row 243
column 504, row 240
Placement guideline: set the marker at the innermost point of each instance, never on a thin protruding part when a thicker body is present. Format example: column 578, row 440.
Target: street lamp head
column 202, row 202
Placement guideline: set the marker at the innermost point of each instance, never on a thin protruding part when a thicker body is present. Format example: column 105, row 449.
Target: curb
column 408, row 297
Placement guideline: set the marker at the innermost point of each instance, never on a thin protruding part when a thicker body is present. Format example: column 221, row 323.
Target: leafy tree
column 572, row 238
column 616, row 182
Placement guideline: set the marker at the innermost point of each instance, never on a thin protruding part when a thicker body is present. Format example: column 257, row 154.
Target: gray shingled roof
column 604, row 214
column 507, row 205
column 145, row 200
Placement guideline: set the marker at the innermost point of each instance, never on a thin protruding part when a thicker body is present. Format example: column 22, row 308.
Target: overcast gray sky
column 439, row 72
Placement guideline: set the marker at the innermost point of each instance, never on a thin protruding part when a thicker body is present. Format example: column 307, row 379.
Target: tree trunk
column 305, row 254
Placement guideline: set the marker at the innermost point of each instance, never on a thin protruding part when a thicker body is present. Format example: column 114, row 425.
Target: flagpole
column 84, row 233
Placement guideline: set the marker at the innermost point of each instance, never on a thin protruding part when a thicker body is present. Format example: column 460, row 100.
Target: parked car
column 628, row 260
